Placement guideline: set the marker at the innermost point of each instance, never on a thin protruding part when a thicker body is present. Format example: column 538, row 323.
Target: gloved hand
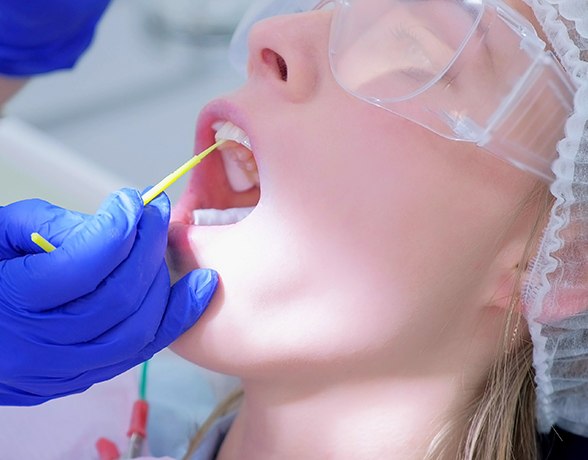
column 37, row 36
column 98, row 305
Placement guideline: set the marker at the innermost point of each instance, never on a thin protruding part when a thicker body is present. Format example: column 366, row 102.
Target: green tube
column 143, row 382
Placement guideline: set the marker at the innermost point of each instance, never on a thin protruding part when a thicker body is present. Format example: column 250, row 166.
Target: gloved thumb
column 188, row 300
column 191, row 295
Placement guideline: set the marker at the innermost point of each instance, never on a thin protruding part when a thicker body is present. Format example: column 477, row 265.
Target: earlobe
column 511, row 270
column 513, row 259
column 507, row 291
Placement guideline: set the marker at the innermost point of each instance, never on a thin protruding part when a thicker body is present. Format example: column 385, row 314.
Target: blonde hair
column 500, row 422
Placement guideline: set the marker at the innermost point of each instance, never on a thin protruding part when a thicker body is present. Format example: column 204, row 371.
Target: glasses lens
column 393, row 49
column 260, row 10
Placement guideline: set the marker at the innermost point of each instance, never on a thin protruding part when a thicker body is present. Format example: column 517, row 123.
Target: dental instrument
column 138, row 429
column 107, row 450
column 42, row 242
column 149, row 195
column 174, row 176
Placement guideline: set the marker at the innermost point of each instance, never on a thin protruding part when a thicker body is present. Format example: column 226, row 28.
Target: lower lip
column 179, row 247
column 181, row 254
column 179, row 215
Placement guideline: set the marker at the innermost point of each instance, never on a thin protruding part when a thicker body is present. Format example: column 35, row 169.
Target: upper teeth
column 225, row 130
column 240, row 166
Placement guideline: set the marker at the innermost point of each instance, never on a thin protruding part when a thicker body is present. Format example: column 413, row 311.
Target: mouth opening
column 240, row 186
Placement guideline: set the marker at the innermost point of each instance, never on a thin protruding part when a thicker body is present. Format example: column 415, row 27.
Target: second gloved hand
column 98, row 305
column 37, row 36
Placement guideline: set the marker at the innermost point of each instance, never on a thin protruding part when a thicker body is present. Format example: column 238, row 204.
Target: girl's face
column 374, row 243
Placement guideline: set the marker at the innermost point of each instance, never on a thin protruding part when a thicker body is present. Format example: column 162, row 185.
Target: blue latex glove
column 37, row 36
column 98, row 305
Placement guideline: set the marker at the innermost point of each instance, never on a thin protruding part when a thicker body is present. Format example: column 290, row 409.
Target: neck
column 395, row 418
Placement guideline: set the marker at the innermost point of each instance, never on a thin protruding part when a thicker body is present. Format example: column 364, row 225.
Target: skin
column 364, row 300
column 9, row 87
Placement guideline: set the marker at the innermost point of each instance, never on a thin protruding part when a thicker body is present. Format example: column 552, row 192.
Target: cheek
column 355, row 250
column 344, row 324
column 334, row 270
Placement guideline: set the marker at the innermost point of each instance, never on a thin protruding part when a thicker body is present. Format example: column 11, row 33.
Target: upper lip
column 218, row 110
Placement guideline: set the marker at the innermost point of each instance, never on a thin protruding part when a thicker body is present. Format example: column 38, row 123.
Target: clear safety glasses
column 468, row 70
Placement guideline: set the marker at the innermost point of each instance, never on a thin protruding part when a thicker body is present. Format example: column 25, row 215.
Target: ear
column 509, row 268
column 507, row 276
column 517, row 245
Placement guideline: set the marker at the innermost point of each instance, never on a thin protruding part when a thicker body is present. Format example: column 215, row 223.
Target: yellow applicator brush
column 42, row 242
column 149, row 195
column 171, row 178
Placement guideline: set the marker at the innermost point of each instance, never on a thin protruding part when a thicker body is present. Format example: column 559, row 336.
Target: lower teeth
column 220, row 216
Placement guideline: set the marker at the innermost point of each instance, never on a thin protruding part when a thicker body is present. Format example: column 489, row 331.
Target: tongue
column 220, row 216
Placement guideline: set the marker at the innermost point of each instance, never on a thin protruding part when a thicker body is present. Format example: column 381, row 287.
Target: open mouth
column 227, row 189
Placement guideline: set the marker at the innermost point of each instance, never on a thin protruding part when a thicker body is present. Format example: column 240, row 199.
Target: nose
column 291, row 53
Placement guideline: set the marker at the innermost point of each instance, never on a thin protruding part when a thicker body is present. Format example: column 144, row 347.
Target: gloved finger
column 78, row 266
column 121, row 293
column 52, row 364
column 18, row 220
column 37, row 390
column 154, row 326
column 189, row 299
column 13, row 396
column 145, row 333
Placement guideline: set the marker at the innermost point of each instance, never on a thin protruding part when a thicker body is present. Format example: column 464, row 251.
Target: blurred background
column 126, row 114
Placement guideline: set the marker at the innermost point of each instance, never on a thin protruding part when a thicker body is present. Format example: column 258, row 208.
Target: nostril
column 282, row 67
column 277, row 62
